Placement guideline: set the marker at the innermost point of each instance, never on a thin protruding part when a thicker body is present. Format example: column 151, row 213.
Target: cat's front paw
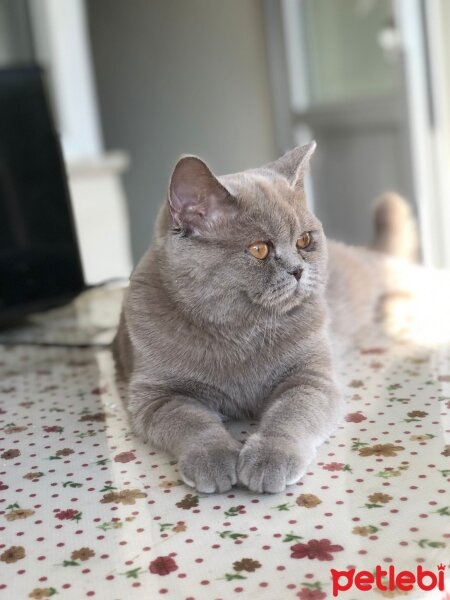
column 210, row 465
column 269, row 464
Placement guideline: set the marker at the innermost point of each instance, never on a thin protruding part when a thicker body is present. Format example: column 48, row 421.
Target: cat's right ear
column 197, row 200
column 294, row 164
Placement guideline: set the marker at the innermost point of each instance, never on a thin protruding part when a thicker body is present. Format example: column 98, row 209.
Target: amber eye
column 304, row 241
column 259, row 250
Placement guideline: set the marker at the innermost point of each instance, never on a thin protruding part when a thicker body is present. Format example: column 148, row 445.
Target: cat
column 227, row 315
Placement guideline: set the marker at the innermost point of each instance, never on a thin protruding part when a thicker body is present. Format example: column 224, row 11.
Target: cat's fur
column 208, row 331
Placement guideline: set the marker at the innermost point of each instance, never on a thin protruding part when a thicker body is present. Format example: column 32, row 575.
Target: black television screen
column 39, row 258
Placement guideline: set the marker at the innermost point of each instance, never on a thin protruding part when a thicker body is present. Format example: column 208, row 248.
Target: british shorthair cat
column 231, row 313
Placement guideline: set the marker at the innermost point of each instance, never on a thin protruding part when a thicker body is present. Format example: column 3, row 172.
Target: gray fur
column 208, row 331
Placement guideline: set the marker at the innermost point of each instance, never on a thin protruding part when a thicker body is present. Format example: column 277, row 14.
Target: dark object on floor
column 39, row 259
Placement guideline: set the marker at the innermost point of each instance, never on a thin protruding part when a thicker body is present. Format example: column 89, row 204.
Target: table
column 87, row 510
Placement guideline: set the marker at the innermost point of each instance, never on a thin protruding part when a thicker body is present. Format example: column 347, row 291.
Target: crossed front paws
column 269, row 464
column 263, row 464
column 209, row 465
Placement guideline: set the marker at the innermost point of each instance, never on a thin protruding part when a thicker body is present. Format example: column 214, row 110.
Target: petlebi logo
column 389, row 579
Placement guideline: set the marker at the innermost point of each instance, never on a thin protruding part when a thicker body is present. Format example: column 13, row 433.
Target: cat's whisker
column 270, row 325
column 255, row 325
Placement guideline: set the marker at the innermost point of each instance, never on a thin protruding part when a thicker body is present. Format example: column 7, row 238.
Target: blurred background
column 135, row 84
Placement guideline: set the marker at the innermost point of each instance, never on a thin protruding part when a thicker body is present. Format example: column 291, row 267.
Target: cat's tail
column 395, row 227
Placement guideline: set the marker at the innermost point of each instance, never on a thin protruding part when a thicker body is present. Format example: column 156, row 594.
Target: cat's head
column 242, row 242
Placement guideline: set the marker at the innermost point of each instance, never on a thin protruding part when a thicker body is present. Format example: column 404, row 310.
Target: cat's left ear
column 294, row 164
column 197, row 200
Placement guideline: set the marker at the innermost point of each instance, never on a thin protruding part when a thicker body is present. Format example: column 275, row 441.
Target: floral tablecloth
column 86, row 510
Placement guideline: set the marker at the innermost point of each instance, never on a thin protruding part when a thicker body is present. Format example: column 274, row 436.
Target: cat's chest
column 235, row 379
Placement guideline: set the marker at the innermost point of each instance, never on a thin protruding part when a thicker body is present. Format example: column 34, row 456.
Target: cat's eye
column 259, row 250
column 304, row 241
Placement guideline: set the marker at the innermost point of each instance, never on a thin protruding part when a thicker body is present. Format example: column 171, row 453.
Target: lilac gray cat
column 231, row 314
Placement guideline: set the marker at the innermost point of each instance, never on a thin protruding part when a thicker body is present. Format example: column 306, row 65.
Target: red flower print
column 3, row 486
column 380, row 450
column 26, row 404
column 306, row 594
column 417, row 414
column 334, row 466
column 64, row 452
column 373, row 351
column 98, row 391
column 82, row 554
column 320, row 549
column 163, row 565
column 124, row 457
column 189, row 501
column 12, row 554
column 375, row 365
column 444, row 378
column 67, row 515
column 99, row 417
column 246, row 564
column 9, row 454
column 52, row 429
column 355, row 418
column 308, row 500
column 356, row 383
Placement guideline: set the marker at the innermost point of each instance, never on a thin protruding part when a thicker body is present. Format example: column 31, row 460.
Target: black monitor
column 39, row 258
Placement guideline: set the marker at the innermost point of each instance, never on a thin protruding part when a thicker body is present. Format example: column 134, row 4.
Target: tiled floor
column 86, row 510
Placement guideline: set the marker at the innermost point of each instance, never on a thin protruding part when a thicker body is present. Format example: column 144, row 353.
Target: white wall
column 180, row 76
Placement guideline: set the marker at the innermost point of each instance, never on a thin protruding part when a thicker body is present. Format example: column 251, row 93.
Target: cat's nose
column 297, row 272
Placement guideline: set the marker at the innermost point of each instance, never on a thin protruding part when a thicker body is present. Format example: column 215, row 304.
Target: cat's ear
column 197, row 199
column 294, row 163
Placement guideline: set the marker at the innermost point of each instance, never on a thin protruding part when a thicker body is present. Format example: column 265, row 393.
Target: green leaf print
column 234, row 511
column 283, row 507
column 444, row 511
column 133, row 573
column 232, row 576
column 227, row 534
column 430, row 544
column 110, row 525
column 108, row 488
column 70, row 563
column 313, row 586
column 357, row 444
column 291, row 537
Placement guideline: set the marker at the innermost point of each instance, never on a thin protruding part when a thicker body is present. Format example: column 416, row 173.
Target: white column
column 427, row 182
column 62, row 46
column 438, row 22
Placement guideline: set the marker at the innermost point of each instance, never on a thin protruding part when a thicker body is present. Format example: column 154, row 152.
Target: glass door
column 348, row 92
column 349, row 45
